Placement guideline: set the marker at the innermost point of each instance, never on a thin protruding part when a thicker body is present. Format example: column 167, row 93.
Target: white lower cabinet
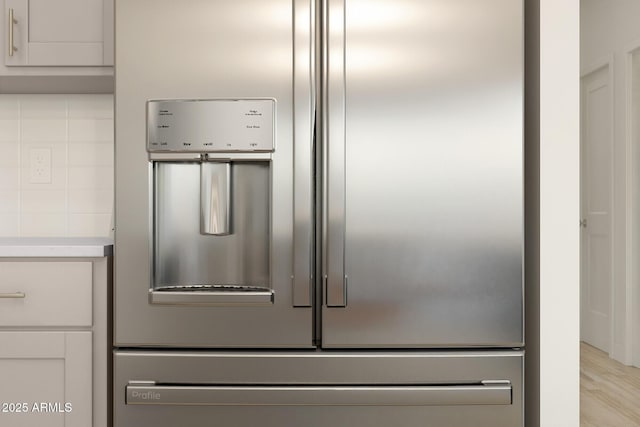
column 46, row 379
column 54, row 342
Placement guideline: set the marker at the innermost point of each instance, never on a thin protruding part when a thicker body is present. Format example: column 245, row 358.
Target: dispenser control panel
column 210, row 125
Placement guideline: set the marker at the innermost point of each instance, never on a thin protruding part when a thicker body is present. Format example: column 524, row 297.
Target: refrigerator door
column 423, row 173
column 258, row 51
column 314, row 389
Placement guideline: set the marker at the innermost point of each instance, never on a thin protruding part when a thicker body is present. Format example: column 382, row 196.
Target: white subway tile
column 90, row 130
column 9, row 130
column 91, row 106
column 89, row 225
column 96, row 154
column 91, row 178
column 44, row 201
column 43, row 107
column 9, row 225
column 9, row 154
column 79, row 199
column 9, row 201
column 49, row 130
column 9, row 178
column 43, row 225
column 90, row 201
column 10, row 107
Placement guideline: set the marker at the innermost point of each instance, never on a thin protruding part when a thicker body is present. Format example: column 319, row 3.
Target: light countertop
column 91, row 247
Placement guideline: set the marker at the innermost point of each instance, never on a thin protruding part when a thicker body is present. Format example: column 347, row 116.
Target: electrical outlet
column 40, row 165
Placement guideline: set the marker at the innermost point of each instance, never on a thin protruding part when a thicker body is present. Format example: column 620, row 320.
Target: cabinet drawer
column 45, row 293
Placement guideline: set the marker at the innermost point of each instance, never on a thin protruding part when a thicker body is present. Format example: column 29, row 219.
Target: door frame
column 632, row 275
column 607, row 62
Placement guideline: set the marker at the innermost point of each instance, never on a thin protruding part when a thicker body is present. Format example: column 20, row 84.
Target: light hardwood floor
column 609, row 391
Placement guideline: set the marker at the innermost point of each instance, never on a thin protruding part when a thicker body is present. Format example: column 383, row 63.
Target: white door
column 596, row 259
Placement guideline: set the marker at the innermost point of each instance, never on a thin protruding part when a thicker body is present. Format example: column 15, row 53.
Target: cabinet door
column 58, row 32
column 47, row 379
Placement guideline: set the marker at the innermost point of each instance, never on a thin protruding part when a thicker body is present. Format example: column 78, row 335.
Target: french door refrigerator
column 319, row 213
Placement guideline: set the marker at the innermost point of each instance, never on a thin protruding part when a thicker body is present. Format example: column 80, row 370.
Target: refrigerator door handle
column 304, row 118
column 334, row 159
column 486, row 393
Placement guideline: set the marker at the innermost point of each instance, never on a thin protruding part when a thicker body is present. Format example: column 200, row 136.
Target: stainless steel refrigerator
column 319, row 213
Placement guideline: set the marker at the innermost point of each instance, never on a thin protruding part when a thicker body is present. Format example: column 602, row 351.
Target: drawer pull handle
column 13, row 295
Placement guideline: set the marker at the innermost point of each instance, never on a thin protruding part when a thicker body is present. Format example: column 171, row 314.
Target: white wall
column 633, row 192
column 609, row 29
column 78, row 131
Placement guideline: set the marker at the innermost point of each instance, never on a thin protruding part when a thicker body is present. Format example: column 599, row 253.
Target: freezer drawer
column 319, row 389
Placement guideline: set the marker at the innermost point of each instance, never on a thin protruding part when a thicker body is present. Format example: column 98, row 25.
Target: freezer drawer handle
column 486, row 393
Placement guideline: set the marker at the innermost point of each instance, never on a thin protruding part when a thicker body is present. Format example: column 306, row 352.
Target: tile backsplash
column 56, row 165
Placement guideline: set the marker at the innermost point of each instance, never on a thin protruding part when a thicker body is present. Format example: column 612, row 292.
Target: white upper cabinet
column 58, row 33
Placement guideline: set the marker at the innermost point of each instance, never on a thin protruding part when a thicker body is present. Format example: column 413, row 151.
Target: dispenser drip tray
column 212, row 288
column 211, row 294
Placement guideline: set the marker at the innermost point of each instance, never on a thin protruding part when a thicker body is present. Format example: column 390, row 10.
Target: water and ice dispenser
column 211, row 181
